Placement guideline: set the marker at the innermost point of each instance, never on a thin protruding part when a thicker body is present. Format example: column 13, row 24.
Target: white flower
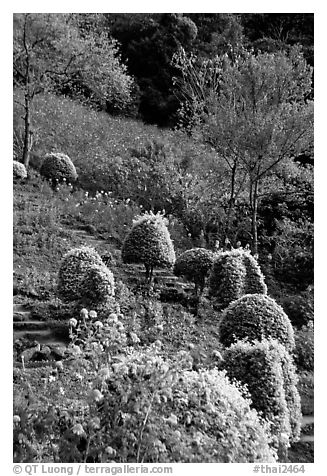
column 110, row 451
column 96, row 395
column 98, row 324
column 52, row 378
column 78, row 429
column 59, row 365
column 72, row 322
column 84, row 313
column 172, row 419
column 104, row 373
column 113, row 317
column 134, row 338
column 16, row 419
column 93, row 314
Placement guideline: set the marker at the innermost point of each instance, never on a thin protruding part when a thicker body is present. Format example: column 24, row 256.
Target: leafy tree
column 149, row 242
column 276, row 31
column 195, row 265
column 148, row 42
column 216, row 33
column 253, row 109
column 51, row 52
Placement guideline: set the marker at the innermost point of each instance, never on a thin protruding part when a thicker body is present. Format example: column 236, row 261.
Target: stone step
column 43, row 336
column 31, row 325
column 19, row 308
column 307, row 420
column 22, row 316
column 307, row 438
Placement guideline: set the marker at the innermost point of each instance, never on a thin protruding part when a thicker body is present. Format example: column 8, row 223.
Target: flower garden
column 134, row 372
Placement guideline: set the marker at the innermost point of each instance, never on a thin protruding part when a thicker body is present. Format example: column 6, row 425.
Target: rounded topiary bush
column 19, row 170
column 57, row 168
column 73, row 272
column 149, row 242
column 189, row 417
column 254, row 282
column 195, row 265
column 226, row 282
column 254, row 317
column 235, row 273
column 98, row 284
column 267, row 370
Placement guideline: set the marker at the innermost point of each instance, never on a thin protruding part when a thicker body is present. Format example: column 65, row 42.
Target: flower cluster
column 19, row 170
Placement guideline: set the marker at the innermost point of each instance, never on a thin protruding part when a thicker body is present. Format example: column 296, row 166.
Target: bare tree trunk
column 254, row 219
column 231, row 203
column 27, row 132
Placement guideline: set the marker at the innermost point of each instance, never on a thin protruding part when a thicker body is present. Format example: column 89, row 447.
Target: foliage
column 255, row 317
column 19, row 170
column 157, row 410
column 253, row 109
column 254, row 282
column 58, row 167
column 304, row 348
column 277, row 31
column 195, row 265
column 98, row 284
column 299, row 308
column 171, row 414
column 62, row 54
column 149, row 242
column 52, row 53
column 293, row 253
column 148, row 42
column 217, row 32
column 235, row 273
column 226, row 282
column 306, row 390
column 267, row 370
column 74, row 274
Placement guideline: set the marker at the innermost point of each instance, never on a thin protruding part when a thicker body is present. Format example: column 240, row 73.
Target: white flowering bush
column 195, row 265
column 58, row 167
column 84, row 277
column 268, row 371
column 19, row 170
column 149, row 242
column 235, row 273
column 154, row 410
column 254, row 317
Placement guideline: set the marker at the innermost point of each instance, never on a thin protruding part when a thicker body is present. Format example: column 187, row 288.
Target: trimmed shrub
column 226, row 282
column 267, row 370
column 19, row 170
column 254, row 317
column 73, row 272
column 235, row 273
column 254, row 283
column 195, row 265
column 304, row 348
column 149, row 243
column 188, row 416
column 57, row 168
column 98, row 284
